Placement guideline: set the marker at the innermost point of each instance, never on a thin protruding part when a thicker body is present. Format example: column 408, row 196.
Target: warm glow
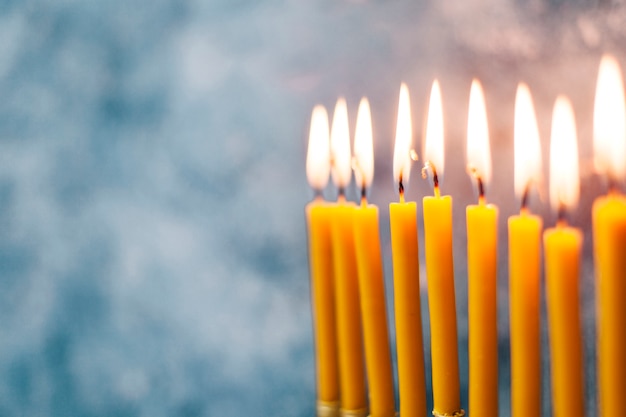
column 526, row 145
column 433, row 146
column 609, row 121
column 564, row 180
column 404, row 133
column 478, row 151
column 363, row 146
column 341, row 167
column 318, row 153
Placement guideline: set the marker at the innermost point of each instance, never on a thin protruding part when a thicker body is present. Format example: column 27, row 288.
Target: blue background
column 153, row 255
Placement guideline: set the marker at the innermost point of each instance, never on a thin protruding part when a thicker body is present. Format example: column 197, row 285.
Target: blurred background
column 153, row 257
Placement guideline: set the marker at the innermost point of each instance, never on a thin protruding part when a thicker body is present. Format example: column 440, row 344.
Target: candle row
column 348, row 297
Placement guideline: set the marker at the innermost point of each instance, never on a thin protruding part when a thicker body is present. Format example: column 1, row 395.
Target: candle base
column 459, row 413
column 361, row 412
column 327, row 409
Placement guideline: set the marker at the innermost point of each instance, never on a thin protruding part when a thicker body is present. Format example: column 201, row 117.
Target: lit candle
column 319, row 215
column 609, row 237
column 482, row 242
column 440, row 271
column 371, row 279
column 349, row 333
column 562, row 246
column 403, row 225
column 524, row 265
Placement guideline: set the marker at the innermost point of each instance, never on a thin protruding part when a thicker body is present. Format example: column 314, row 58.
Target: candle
column 524, row 265
column 349, row 333
column 609, row 238
column 403, row 225
column 482, row 237
column 440, row 271
column 321, row 267
column 371, row 280
column 563, row 245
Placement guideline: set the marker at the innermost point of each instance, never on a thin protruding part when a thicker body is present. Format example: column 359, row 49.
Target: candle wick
column 429, row 165
column 401, row 189
column 561, row 215
column 318, row 194
column 437, row 192
column 481, row 190
column 479, row 181
column 613, row 188
column 525, row 197
column 363, row 194
column 341, row 196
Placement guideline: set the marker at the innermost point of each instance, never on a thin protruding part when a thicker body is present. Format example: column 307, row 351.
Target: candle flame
column 363, row 146
column 404, row 133
column 526, row 145
column 318, row 152
column 478, row 151
column 433, row 143
column 609, row 121
column 564, row 179
column 341, row 167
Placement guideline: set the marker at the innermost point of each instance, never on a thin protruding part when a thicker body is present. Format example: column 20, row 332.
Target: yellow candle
column 321, row 267
column 371, row 279
column 440, row 273
column 323, row 295
column 524, row 307
column 349, row 333
column 609, row 238
column 377, row 352
column 482, row 238
column 525, row 266
column 403, row 224
column 562, row 265
column 562, row 246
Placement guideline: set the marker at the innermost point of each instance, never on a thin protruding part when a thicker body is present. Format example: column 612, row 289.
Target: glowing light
column 526, row 144
column 363, row 146
column 404, row 133
column 564, row 179
column 341, row 166
column 478, row 151
column 433, row 143
column 609, row 121
column 318, row 152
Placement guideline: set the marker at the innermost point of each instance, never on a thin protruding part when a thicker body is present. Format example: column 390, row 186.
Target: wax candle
column 404, row 250
column 349, row 333
column 482, row 238
column 524, row 265
column 609, row 238
column 371, row 280
column 562, row 247
column 440, row 271
column 320, row 259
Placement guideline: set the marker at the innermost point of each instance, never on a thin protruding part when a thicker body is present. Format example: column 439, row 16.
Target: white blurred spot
column 202, row 64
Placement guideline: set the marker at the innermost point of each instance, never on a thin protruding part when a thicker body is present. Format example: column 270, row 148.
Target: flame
column 478, row 152
column 363, row 146
column 433, row 143
column 564, row 180
column 404, row 133
column 318, row 152
column 526, row 145
column 341, row 168
column 609, row 121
